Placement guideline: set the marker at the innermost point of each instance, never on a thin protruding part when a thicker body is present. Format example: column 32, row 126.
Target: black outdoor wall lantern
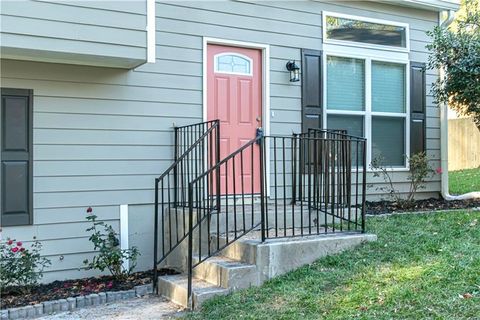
column 294, row 71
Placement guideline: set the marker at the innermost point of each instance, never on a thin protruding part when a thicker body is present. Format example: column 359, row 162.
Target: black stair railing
column 276, row 187
column 197, row 148
column 215, row 225
column 331, row 173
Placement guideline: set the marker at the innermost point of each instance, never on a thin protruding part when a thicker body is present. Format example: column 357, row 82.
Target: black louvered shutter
column 311, row 89
column 417, row 107
column 16, row 157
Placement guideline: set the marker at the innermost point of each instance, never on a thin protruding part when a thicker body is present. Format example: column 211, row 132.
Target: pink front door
column 234, row 95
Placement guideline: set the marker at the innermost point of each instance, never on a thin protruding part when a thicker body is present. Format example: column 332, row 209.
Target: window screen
column 388, row 140
column 345, row 83
column 354, row 126
column 388, row 87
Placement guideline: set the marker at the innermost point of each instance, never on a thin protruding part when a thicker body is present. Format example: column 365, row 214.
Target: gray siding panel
column 98, row 168
column 60, row 216
column 101, row 134
column 106, row 33
column 232, row 19
column 83, row 16
column 128, row 6
column 71, row 31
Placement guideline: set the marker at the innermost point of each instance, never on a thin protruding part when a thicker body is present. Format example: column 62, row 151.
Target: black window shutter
column 16, row 157
column 417, row 107
column 311, row 89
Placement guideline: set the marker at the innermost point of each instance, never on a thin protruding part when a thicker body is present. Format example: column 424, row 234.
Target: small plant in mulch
column 419, row 172
column 110, row 256
column 20, row 267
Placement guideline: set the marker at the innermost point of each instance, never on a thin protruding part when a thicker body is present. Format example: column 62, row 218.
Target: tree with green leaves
column 456, row 51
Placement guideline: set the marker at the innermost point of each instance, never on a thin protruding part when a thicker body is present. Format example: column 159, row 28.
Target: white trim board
column 265, row 85
column 151, row 32
column 436, row 5
column 124, row 233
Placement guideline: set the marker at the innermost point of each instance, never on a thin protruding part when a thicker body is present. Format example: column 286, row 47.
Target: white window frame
column 364, row 44
column 218, row 55
column 368, row 56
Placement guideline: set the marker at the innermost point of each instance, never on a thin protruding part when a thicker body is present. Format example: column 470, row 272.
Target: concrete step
column 242, row 250
column 227, row 273
column 278, row 256
column 248, row 261
column 174, row 287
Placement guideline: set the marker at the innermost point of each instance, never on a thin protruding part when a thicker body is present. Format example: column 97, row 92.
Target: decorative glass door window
column 233, row 63
column 367, row 97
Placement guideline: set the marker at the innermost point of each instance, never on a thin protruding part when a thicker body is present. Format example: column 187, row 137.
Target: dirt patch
column 11, row 297
column 384, row 207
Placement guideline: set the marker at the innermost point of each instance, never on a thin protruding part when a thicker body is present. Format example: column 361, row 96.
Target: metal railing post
column 190, row 246
column 364, row 183
column 262, row 187
column 217, row 171
column 155, row 243
column 294, row 169
column 175, row 172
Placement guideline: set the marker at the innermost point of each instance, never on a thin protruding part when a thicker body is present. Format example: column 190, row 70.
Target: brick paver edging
column 70, row 304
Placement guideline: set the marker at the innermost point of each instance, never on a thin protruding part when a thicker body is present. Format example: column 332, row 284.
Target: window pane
column 345, row 84
column 388, row 140
column 354, row 127
column 231, row 63
column 367, row 32
column 388, row 87
column 353, row 124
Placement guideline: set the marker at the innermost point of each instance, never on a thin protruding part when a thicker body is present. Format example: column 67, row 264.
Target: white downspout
column 444, row 139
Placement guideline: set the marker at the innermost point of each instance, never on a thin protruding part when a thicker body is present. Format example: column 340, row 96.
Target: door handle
column 259, row 135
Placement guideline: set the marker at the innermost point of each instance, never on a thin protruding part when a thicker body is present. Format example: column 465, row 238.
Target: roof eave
column 435, row 5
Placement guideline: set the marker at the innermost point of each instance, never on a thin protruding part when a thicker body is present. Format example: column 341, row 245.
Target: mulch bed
column 11, row 298
column 384, row 207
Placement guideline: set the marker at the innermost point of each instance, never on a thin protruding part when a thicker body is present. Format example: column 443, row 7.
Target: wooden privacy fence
column 463, row 144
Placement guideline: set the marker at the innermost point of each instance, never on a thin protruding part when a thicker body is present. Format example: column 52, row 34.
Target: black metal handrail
column 350, row 144
column 308, row 190
column 187, row 137
column 197, row 148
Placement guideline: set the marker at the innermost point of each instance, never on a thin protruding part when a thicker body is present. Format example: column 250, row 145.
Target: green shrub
column 21, row 267
column 419, row 172
column 110, row 256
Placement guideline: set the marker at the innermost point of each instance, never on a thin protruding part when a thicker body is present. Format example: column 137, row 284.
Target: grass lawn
column 424, row 266
column 463, row 181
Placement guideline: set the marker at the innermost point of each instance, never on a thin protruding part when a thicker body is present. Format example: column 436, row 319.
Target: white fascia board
column 435, row 5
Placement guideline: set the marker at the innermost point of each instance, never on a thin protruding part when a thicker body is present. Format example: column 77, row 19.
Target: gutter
column 437, row 5
column 444, row 140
